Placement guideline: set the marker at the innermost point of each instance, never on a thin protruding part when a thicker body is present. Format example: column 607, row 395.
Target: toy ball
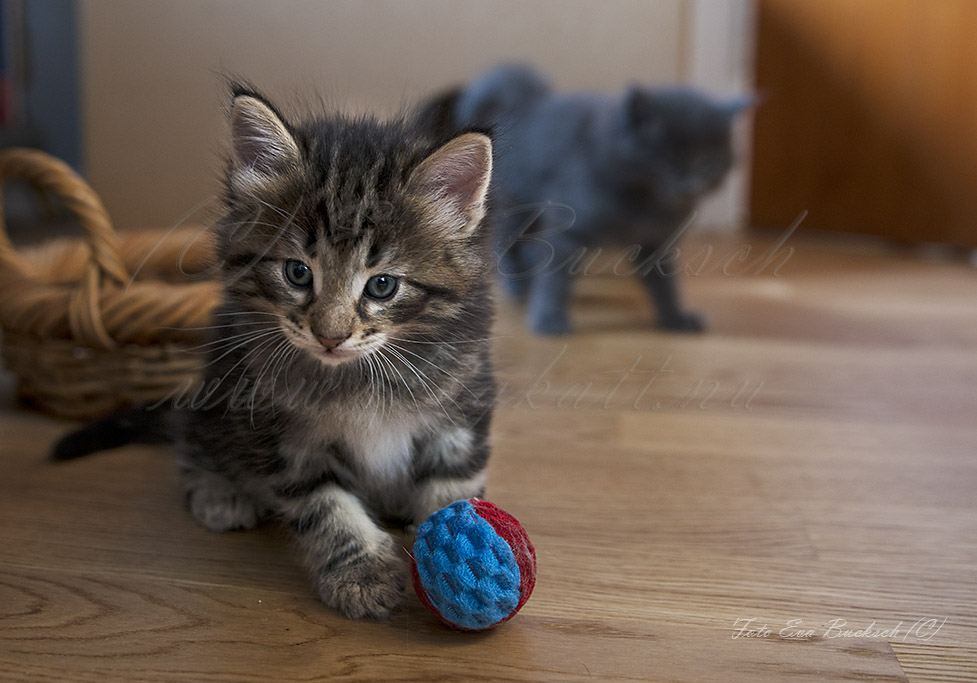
column 473, row 565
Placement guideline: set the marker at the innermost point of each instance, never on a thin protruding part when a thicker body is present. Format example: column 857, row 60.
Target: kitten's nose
column 331, row 343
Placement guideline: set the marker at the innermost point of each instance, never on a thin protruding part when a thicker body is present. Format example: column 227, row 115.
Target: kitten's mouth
column 335, row 355
column 329, row 355
column 342, row 353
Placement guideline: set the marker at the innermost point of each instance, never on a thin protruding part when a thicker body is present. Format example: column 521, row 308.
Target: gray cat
column 574, row 172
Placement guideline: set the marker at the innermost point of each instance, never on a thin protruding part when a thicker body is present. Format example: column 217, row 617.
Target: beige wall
column 719, row 49
column 153, row 94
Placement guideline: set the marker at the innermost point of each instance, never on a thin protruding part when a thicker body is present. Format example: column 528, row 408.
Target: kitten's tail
column 502, row 92
column 138, row 425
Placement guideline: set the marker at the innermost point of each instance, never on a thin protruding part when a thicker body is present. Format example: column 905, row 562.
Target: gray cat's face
column 680, row 140
column 345, row 248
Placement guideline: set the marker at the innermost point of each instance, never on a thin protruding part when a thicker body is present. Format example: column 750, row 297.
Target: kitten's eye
column 298, row 273
column 381, row 287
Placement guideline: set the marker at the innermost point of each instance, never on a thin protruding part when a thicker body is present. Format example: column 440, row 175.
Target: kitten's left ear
column 453, row 182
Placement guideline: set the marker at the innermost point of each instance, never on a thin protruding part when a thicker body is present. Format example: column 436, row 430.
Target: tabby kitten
column 579, row 172
column 350, row 385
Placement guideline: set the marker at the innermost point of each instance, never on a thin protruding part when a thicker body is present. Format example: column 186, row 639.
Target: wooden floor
column 808, row 468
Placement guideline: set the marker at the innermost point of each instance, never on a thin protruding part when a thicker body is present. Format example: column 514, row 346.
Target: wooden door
column 870, row 117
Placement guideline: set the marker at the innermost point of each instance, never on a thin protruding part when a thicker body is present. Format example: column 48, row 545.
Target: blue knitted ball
column 473, row 565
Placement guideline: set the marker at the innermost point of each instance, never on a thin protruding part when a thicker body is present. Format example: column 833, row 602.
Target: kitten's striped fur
column 392, row 422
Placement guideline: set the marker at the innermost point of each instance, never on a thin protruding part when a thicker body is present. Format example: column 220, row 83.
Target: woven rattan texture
column 96, row 324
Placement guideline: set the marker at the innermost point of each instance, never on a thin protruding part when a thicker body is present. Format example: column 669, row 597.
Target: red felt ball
column 510, row 531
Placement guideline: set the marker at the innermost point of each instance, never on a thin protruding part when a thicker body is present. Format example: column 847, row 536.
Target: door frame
column 719, row 39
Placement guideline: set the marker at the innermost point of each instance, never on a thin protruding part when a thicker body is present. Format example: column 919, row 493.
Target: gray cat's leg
column 514, row 257
column 549, row 292
column 514, row 273
column 357, row 567
column 662, row 287
column 549, row 298
column 215, row 502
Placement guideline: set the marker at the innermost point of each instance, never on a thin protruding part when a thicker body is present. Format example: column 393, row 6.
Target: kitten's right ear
column 263, row 149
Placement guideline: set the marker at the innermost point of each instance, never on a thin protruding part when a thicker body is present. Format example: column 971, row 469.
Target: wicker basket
column 91, row 326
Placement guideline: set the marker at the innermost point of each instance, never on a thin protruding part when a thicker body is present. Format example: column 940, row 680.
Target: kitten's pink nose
column 331, row 343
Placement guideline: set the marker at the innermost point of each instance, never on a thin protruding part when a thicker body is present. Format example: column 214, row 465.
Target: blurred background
column 132, row 93
column 869, row 119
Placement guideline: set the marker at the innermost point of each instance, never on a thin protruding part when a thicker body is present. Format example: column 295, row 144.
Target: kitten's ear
column 453, row 182
column 263, row 149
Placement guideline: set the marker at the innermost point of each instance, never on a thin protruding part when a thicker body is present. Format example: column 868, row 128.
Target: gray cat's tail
column 137, row 425
column 502, row 92
column 485, row 104
column 436, row 115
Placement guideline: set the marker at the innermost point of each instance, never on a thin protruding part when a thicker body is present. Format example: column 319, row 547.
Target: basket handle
column 46, row 171
column 84, row 305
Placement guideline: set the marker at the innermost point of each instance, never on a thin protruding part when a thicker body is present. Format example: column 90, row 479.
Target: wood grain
column 841, row 491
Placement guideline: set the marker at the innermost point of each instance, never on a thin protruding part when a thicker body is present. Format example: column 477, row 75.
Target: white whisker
column 449, row 343
column 424, row 382
column 272, row 359
column 256, row 349
column 217, row 343
column 436, row 367
column 257, row 335
column 393, row 367
column 229, row 313
column 282, row 367
column 217, row 327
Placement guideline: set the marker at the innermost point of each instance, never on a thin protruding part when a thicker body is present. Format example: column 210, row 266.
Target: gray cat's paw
column 218, row 508
column 553, row 324
column 683, row 322
column 370, row 587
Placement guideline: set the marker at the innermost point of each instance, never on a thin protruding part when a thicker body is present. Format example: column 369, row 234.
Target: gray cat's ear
column 641, row 110
column 263, row 149
column 452, row 183
column 741, row 103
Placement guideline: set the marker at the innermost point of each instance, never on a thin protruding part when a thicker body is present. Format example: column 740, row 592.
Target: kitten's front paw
column 369, row 587
column 683, row 322
column 551, row 324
